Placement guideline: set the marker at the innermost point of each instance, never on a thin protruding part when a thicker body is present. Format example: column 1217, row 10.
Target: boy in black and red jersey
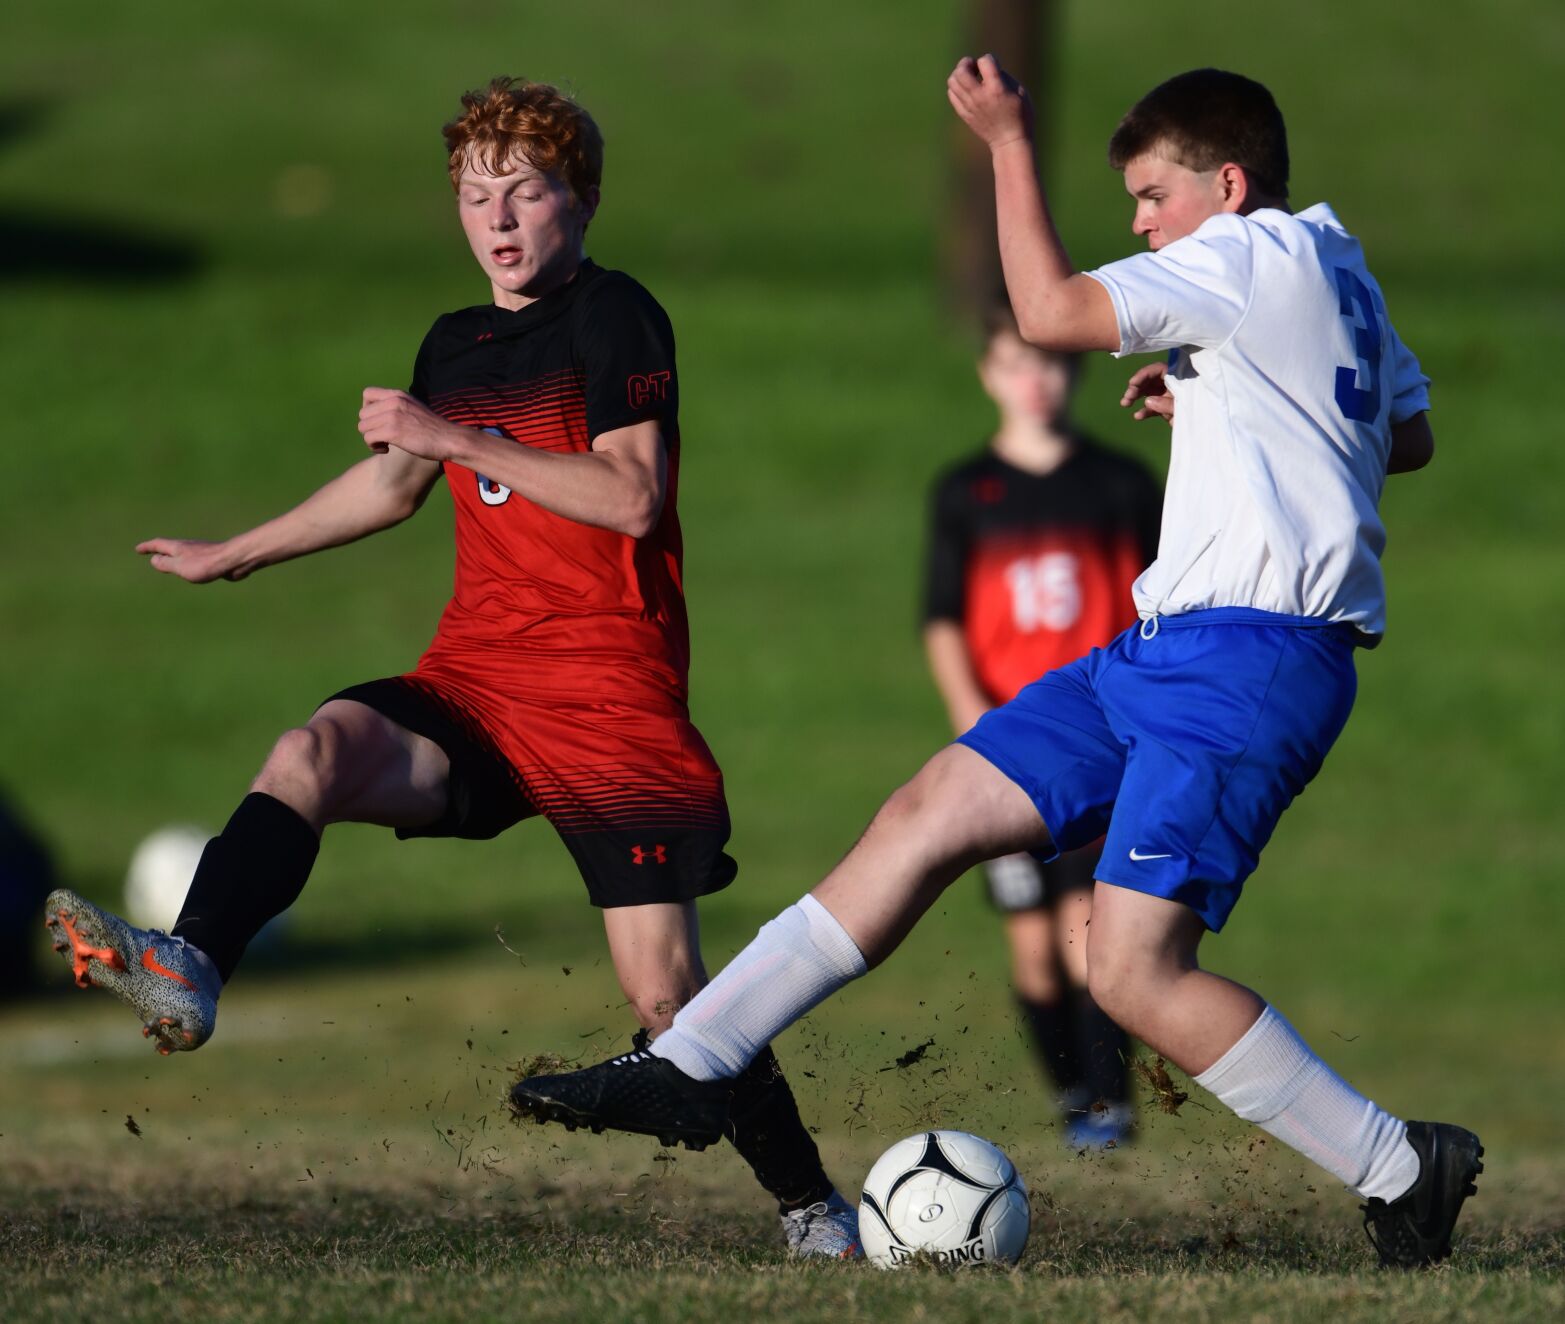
column 556, row 681
column 1034, row 544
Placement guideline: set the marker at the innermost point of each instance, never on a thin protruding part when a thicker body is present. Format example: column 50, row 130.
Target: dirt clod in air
column 1155, row 1075
column 130, row 1125
column 913, row 1055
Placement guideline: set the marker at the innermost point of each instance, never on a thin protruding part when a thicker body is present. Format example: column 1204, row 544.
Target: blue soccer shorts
column 1183, row 740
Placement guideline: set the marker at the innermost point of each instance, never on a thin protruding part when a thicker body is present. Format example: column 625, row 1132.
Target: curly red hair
column 536, row 122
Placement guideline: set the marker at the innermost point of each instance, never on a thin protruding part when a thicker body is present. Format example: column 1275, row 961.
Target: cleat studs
column 597, row 1128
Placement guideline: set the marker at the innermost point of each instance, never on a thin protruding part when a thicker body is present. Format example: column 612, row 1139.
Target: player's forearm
column 355, row 504
column 1032, row 255
column 1055, row 308
column 952, row 667
column 600, row 488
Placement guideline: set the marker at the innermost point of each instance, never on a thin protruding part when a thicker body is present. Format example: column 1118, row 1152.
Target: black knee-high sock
column 251, row 873
column 1104, row 1050
column 1053, row 1026
column 771, row 1137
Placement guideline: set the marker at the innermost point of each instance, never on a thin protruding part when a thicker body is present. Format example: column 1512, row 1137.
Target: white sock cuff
column 1263, row 1073
column 831, row 940
column 795, row 962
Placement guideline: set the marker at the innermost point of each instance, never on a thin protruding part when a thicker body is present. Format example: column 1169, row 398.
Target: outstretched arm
column 374, row 494
column 619, row 484
column 1055, row 307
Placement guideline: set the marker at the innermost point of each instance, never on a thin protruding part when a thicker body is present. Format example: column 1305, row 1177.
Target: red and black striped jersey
column 543, row 605
column 1038, row 568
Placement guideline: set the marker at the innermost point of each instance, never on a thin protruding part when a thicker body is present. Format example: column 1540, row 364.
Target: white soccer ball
column 945, row 1195
column 160, row 873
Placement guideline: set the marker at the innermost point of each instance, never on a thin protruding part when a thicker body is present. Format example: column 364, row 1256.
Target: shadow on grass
column 36, row 245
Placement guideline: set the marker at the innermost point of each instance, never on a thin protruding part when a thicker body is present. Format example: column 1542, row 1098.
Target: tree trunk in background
column 1022, row 35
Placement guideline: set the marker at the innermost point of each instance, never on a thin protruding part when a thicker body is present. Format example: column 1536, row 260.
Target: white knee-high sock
column 1270, row 1077
column 795, row 962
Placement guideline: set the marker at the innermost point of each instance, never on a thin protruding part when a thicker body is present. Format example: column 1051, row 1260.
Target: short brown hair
column 999, row 319
column 534, row 121
column 1204, row 119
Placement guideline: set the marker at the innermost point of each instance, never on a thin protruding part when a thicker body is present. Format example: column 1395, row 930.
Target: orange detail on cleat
column 83, row 952
column 150, row 962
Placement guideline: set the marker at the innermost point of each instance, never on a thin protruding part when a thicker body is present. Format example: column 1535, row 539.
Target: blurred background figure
column 26, row 875
column 1033, row 545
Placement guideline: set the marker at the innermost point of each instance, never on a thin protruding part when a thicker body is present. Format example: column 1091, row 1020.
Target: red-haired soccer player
column 556, row 681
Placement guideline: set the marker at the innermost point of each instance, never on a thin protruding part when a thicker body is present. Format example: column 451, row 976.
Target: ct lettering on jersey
column 643, row 388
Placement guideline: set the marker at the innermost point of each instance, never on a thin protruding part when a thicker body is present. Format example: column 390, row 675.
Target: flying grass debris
column 1169, row 1099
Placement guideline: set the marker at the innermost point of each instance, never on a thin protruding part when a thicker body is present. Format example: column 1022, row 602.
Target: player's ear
column 1234, row 185
column 587, row 205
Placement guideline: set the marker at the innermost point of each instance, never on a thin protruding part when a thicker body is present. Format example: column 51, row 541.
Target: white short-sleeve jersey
column 1286, row 376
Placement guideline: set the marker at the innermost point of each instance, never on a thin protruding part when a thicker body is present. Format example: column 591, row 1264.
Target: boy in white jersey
column 1291, row 399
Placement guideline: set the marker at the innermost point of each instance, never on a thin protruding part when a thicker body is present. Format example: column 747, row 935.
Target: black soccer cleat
column 1414, row 1230
column 637, row 1092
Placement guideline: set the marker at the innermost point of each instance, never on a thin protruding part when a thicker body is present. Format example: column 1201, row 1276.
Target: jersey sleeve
column 1409, row 385
column 419, row 388
column 1193, row 292
column 626, row 351
column 945, row 566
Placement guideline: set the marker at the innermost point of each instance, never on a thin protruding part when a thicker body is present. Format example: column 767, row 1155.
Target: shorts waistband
column 1255, row 616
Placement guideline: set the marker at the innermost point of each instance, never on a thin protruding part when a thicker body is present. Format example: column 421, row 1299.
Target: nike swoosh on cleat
column 150, row 962
column 1137, row 857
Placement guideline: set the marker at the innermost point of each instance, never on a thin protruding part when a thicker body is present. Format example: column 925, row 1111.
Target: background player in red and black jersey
column 1033, row 546
column 556, row 681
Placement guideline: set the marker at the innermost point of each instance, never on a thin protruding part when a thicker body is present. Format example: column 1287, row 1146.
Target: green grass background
column 777, row 177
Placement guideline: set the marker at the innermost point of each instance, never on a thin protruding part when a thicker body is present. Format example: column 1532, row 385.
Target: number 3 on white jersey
column 1360, row 403
column 1045, row 592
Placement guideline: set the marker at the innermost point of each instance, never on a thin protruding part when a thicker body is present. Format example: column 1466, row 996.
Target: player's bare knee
column 302, row 769
column 1115, row 980
column 924, row 817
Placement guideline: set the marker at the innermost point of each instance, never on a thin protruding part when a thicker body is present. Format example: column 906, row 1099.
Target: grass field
column 248, row 221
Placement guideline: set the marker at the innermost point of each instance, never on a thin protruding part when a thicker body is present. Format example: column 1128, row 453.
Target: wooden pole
column 1022, row 35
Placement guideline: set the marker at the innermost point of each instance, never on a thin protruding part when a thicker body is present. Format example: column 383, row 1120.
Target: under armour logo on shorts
column 640, row 854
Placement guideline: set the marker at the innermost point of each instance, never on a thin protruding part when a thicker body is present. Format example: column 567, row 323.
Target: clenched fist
column 991, row 103
column 394, row 418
